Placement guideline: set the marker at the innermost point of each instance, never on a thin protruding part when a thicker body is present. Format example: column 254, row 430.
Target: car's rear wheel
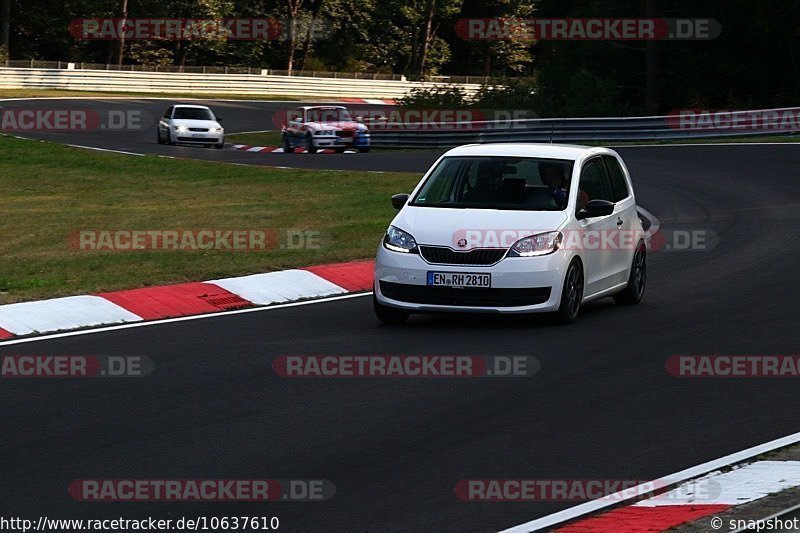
column 637, row 279
column 572, row 294
column 310, row 144
column 388, row 315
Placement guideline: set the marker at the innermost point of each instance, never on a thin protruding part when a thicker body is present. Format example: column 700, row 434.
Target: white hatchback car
column 513, row 228
column 190, row 124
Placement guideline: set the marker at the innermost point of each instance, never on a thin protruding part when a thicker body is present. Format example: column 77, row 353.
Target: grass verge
column 51, row 191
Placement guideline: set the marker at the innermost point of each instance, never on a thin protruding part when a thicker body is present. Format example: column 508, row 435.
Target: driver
column 488, row 183
column 552, row 175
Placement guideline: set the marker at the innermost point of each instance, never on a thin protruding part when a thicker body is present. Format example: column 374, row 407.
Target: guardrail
column 566, row 130
column 192, row 69
column 198, row 83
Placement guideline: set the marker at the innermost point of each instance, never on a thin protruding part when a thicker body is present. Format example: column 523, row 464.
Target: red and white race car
column 320, row 127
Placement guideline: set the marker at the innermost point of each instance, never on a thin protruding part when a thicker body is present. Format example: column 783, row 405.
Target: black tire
column 169, row 139
column 388, row 315
column 220, row 146
column 572, row 293
column 363, row 150
column 158, row 137
column 339, row 150
column 287, row 146
column 310, row 144
column 637, row 279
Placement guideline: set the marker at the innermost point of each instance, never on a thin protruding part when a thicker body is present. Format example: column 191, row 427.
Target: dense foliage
column 754, row 63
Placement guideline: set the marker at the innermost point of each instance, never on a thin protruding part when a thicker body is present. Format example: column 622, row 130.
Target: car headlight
column 182, row 129
column 218, row 130
column 539, row 244
column 398, row 240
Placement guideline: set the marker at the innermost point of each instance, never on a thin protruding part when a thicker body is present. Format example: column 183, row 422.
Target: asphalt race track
column 601, row 407
column 139, row 135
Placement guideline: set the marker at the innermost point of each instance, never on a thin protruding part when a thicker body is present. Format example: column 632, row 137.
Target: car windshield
column 193, row 113
column 329, row 115
column 516, row 183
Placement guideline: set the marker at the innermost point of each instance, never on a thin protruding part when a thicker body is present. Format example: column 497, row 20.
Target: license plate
column 197, row 135
column 459, row 279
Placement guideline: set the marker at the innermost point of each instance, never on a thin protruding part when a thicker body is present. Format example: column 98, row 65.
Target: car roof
column 192, row 105
column 544, row 150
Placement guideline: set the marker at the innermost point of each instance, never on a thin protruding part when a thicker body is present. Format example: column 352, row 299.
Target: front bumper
column 334, row 141
column 519, row 284
column 210, row 137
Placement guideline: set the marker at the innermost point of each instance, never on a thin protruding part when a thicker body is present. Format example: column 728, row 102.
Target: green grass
column 50, row 191
column 50, row 93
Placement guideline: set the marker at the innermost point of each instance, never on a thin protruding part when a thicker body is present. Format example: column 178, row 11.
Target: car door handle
column 619, row 221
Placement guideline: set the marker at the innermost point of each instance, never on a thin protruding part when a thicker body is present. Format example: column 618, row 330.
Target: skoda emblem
column 462, row 243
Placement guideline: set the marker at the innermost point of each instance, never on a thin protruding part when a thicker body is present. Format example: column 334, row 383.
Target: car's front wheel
column 287, row 146
column 634, row 292
column 363, row 149
column 310, row 144
column 572, row 294
column 220, row 145
column 388, row 315
column 159, row 138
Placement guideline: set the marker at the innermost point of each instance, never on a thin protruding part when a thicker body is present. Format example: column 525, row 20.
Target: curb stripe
column 354, row 276
column 643, row 519
column 168, row 301
column 707, row 495
column 279, row 287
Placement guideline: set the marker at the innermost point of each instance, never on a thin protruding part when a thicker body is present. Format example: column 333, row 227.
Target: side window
column 594, row 184
column 618, row 186
column 168, row 113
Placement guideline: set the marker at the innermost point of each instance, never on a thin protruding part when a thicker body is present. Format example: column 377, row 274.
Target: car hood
column 355, row 126
column 465, row 229
column 208, row 124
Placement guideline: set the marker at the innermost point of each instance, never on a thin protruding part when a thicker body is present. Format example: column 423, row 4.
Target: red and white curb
column 277, row 150
column 371, row 101
column 185, row 299
column 248, row 148
column 709, row 495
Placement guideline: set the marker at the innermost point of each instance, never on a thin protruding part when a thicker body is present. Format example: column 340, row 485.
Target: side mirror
column 596, row 208
column 399, row 200
column 219, row 119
